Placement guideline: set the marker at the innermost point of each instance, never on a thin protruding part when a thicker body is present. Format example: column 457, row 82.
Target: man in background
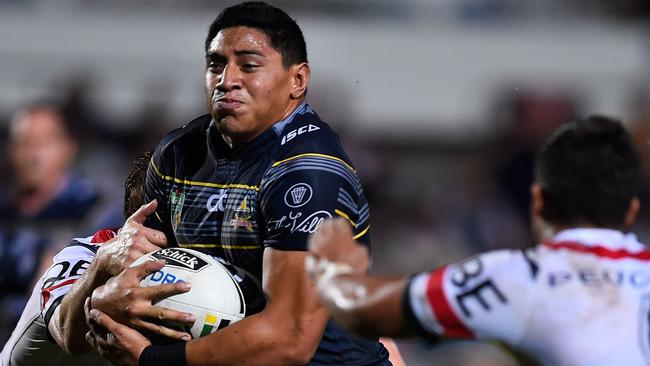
column 581, row 297
column 46, row 204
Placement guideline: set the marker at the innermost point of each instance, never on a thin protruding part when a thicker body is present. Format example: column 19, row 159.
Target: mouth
column 226, row 103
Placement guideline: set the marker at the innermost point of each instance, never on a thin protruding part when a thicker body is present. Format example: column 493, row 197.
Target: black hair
column 134, row 196
column 284, row 33
column 589, row 172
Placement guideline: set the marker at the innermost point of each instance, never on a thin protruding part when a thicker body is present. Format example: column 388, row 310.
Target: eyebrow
column 249, row 52
column 216, row 55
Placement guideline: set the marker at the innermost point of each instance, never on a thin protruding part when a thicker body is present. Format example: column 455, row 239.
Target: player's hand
column 124, row 300
column 333, row 242
column 116, row 342
column 132, row 242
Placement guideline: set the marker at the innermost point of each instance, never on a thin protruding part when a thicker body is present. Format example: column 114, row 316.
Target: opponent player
column 582, row 297
column 248, row 183
column 53, row 322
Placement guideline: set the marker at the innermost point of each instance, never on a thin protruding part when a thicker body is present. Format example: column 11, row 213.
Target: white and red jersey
column 29, row 343
column 582, row 298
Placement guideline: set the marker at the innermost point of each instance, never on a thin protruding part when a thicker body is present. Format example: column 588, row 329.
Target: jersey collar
column 303, row 108
column 598, row 237
column 218, row 146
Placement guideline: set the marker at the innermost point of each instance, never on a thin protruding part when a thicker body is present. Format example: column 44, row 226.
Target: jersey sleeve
column 486, row 296
column 300, row 192
column 69, row 264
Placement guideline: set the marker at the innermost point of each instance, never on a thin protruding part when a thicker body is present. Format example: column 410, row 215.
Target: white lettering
column 297, row 132
column 213, row 206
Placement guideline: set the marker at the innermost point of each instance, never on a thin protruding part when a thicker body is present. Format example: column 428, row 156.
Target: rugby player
column 248, row 183
column 52, row 326
column 581, row 297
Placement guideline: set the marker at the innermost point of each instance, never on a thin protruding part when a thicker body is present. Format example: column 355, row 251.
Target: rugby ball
column 216, row 299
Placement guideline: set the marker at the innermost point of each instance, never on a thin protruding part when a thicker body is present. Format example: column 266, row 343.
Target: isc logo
column 163, row 277
column 299, row 131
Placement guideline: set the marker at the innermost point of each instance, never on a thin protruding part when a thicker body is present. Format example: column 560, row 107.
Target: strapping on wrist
column 169, row 355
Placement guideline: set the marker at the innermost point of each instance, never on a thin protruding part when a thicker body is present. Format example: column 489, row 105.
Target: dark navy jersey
column 270, row 192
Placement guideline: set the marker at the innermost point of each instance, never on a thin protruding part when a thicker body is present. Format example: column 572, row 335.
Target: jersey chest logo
column 177, row 199
column 242, row 217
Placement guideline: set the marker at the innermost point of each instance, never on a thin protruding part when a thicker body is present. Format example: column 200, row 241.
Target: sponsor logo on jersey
column 177, row 199
column 297, row 132
column 300, row 222
column 215, row 201
column 242, row 217
column 600, row 277
column 298, row 195
column 180, row 258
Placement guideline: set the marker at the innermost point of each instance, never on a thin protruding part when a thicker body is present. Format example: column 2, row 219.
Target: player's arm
column 286, row 332
column 484, row 296
column 67, row 324
column 364, row 304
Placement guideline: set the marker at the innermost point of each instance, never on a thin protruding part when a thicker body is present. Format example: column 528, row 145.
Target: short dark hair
column 284, row 33
column 134, row 196
column 589, row 172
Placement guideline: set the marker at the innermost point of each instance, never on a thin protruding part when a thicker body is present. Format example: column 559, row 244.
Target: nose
column 229, row 79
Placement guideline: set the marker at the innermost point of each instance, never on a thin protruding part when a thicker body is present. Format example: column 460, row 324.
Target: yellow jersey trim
column 224, row 246
column 202, row 184
column 361, row 233
column 345, row 216
column 314, row 154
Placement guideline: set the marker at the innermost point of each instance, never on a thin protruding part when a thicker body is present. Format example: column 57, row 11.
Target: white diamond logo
column 298, row 195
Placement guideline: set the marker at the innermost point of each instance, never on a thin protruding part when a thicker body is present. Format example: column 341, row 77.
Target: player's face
column 40, row 149
column 248, row 87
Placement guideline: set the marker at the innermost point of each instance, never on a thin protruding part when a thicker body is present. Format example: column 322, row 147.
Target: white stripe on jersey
column 28, row 344
column 581, row 299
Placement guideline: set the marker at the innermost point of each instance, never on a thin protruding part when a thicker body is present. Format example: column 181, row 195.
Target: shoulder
column 506, row 265
column 84, row 248
column 183, row 143
column 191, row 133
column 308, row 136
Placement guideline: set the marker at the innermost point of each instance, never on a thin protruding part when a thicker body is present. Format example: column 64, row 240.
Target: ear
column 536, row 200
column 300, row 74
column 632, row 212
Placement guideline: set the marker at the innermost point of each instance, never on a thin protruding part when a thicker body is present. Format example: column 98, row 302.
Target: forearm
column 68, row 324
column 259, row 340
column 367, row 305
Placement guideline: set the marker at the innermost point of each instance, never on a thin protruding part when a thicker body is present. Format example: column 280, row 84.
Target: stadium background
column 440, row 103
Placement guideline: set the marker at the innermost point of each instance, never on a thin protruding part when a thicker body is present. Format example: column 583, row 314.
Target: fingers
column 89, row 320
column 90, row 338
column 143, row 212
column 161, row 330
column 155, row 237
column 143, row 270
column 160, row 313
column 105, row 321
column 159, row 292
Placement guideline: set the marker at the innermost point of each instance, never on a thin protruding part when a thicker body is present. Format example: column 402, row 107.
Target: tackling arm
column 68, row 324
column 368, row 305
